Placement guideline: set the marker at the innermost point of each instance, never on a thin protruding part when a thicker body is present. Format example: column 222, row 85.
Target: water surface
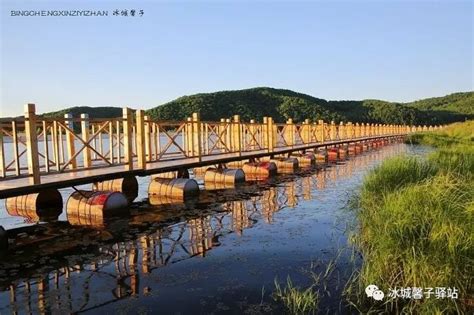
column 218, row 254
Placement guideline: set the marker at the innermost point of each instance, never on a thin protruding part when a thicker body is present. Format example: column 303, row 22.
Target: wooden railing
column 35, row 145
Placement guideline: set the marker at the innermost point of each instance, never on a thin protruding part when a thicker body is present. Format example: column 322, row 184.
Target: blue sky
column 392, row 50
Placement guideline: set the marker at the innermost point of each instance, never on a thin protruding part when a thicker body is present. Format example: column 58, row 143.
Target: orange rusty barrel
column 259, row 170
column 43, row 206
column 176, row 188
column 358, row 148
column 92, row 207
column 127, row 186
column 365, row 146
column 333, row 154
column 285, row 165
column 224, row 176
column 183, row 173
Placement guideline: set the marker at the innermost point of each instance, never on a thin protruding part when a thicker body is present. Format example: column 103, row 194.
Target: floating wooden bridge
column 38, row 153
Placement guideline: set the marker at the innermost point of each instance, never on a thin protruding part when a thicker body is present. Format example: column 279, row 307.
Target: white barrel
column 183, row 173
column 92, row 207
column 127, row 185
column 175, row 188
column 224, row 176
column 43, row 206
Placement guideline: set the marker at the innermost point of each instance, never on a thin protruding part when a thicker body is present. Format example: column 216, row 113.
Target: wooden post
column 127, row 120
column 196, row 136
column 305, row 132
column 271, row 134
column 342, row 134
column 332, row 130
column 32, row 144
column 321, row 130
column 236, row 134
column 357, row 130
column 86, row 153
column 147, row 139
column 70, row 140
column 140, row 138
column 289, row 134
column 265, row 133
column 189, row 136
column 228, row 135
column 349, row 130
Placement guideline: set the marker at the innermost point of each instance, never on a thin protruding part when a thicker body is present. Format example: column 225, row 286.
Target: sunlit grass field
column 416, row 225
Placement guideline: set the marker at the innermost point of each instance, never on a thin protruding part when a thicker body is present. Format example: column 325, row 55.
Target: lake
column 221, row 253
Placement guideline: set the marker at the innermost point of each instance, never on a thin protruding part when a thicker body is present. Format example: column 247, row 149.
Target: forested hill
column 282, row 104
column 95, row 112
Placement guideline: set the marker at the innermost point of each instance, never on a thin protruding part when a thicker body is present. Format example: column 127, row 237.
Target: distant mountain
column 95, row 112
column 282, row 104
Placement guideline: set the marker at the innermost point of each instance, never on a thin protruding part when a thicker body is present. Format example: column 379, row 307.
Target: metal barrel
column 92, row 207
column 175, row 188
column 127, row 185
column 43, row 206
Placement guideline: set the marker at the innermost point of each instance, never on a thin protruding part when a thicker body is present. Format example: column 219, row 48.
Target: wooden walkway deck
column 38, row 153
column 23, row 185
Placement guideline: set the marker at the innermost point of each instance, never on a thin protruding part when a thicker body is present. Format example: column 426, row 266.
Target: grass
column 416, row 225
column 306, row 300
column 296, row 300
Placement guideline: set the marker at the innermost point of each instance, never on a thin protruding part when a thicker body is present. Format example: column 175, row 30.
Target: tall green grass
column 416, row 226
column 295, row 299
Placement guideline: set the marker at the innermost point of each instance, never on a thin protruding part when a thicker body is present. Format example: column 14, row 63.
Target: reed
column 416, row 226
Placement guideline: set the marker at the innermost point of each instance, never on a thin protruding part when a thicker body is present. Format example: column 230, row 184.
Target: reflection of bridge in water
column 67, row 262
